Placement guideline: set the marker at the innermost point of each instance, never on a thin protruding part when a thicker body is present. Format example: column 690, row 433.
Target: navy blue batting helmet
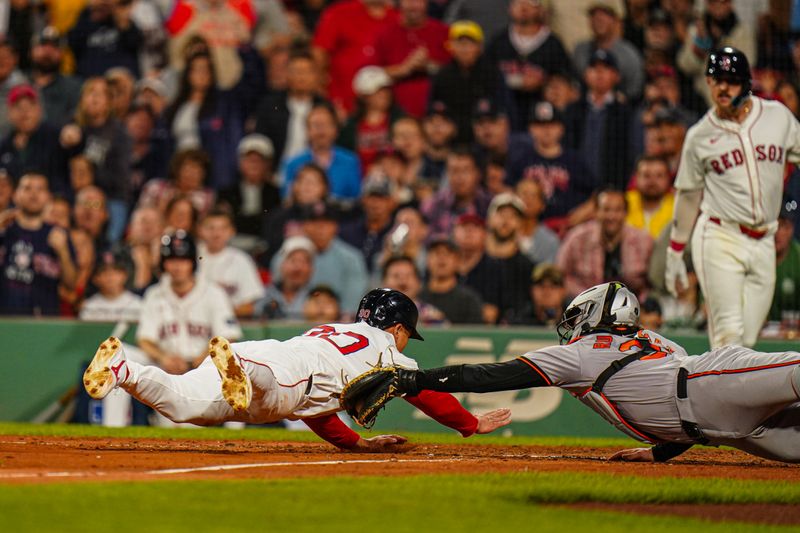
column 383, row 308
column 178, row 245
column 731, row 65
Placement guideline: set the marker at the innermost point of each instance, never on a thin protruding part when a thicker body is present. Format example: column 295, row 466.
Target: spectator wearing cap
column 466, row 79
column 10, row 77
column 568, row 19
column 606, row 25
column 368, row 130
column 494, row 138
column 651, row 201
column 368, row 230
column 536, row 241
column 412, row 49
column 401, row 274
column 112, row 302
column 59, row 93
column 441, row 133
column 563, row 178
column 460, row 304
column 547, row 298
column 153, row 92
column 664, row 136
column 32, row 144
column 477, row 270
column 340, row 164
column 462, row 195
column 504, row 221
column 525, row 55
column 716, row 27
column 322, row 306
column 491, row 17
column 149, row 154
column 599, row 126
column 606, row 249
column 786, row 301
column 281, row 115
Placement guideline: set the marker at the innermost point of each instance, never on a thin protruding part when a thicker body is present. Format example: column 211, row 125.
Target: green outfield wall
column 42, row 361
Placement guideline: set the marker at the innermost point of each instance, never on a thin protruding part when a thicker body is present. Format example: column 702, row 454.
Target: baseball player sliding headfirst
column 730, row 186
column 300, row 378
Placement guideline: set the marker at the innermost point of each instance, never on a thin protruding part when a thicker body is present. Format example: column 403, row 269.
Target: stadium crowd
column 489, row 159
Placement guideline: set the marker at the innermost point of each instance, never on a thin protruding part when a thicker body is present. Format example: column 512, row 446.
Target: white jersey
column 124, row 308
column 183, row 325
column 325, row 358
column 741, row 166
column 234, row 271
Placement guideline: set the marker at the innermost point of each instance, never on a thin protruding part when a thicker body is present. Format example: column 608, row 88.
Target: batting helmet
column 178, row 245
column 610, row 306
column 731, row 65
column 383, row 308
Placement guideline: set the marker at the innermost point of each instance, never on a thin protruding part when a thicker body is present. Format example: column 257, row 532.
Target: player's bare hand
column 174, row 364
column 634, row 455
column 70, row 135
column 57, row 239
column 379, row 443
column 492, row 420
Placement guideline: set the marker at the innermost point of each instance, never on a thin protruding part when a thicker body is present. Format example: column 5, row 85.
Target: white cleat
column 108, row 368
column 236, row 386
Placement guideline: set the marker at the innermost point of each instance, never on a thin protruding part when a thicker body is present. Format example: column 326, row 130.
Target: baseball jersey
column 183, row 325
column 234, row 271
column 741, row 166
column 643, row 392
column 125, row 307
column 328, row 356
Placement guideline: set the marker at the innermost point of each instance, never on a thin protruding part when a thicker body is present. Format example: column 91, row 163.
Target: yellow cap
column 466, row 28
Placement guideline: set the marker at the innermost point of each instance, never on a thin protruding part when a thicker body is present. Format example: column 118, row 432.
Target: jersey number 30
column 346, row 342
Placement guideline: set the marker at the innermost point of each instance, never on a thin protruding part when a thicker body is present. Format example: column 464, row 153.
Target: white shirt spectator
column 124, row 308
column 234, row 271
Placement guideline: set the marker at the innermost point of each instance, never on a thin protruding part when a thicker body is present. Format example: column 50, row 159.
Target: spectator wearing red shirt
column 412, row 49
column 344, row 42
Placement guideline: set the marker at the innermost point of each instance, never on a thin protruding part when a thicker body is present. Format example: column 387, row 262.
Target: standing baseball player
column 266, row 381
column 644, row 384
column 730, row 185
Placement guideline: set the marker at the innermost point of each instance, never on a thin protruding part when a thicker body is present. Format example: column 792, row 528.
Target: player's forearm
column 490, row 377
column 687, row 208
column 331, row 429
column 69, row 272
column 446, row 410
column 668, row 450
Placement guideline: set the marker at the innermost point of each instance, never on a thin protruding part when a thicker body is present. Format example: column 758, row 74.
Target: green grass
column 489, row 503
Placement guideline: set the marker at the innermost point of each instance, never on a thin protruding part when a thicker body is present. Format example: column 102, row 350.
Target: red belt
column 750, row 232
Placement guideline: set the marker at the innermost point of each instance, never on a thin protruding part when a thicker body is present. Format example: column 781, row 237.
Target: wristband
column 677, row 246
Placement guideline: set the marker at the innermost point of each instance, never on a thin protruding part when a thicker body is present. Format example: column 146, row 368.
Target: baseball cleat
column 108, row 368
column 236, row 386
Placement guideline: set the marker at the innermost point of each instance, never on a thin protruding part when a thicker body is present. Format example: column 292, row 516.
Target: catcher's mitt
column 364, row 396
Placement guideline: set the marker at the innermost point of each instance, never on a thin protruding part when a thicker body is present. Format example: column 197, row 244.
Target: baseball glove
column 364, row 396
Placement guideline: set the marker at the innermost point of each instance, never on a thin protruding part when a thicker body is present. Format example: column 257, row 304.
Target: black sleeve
column 490, row 377
column 668, row 450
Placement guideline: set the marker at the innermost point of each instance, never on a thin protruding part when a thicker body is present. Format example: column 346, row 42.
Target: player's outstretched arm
column 333, row 430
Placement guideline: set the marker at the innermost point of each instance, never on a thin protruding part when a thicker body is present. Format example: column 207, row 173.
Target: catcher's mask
column 610, row 306
column 383, row 308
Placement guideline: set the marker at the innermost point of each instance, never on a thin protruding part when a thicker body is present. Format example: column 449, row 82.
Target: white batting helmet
column 603, row 306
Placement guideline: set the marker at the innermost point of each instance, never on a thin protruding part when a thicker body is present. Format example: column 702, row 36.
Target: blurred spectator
column 718, row 26
column 547, row 298
column 408, row 138
column 341, row 165
column 105, row 36
column 651, row 317
column 91, row 215
column 181, row 214
column 401, row 274
column 149, row 154
column 560, row 91
column 230, row 268
column 81, row 172
column 188, row 174
column 367, row 232
column 476, row 269
column 292, row 273
column 599, row 125
column 255, row 195
column 23, row 18
column 281, row 115
column 606, row 249
column 536, row 241
column 105, row 142
column 651, row 201
column 786, row 301
column 367, row 131
column 272, row 27
column 526, row 55
column 144, row 240
column 204, row 116
column 344, row 41
column 460, row 304
column 495, row 178
column 122, row 84
column 322, row 306
column 112, row 302
column 32, row 145
column 406, row 238
column 463, row 194
column 412, row 49
column 10, row 77
column 565, row 181
column 147, row 16
column 492, row 17
column 466, row 79
column 182, row 312
column 606, row 24
column 6, row 190
column 788, row 93
column 34, row 256
column 504, row 220
column 670, row 133
column 568, row 19
column 59, row 93
column 153, row 92
column 440, row 131
column 636, row 18
column 494, row 138
column 774, row 36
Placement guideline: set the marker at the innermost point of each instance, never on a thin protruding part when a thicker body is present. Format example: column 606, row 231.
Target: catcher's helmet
column 731, row 65
column 383, row 308
column 610, row 306
column 178, row 245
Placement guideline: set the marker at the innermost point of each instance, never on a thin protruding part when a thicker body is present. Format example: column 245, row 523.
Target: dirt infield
column 56, row 459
